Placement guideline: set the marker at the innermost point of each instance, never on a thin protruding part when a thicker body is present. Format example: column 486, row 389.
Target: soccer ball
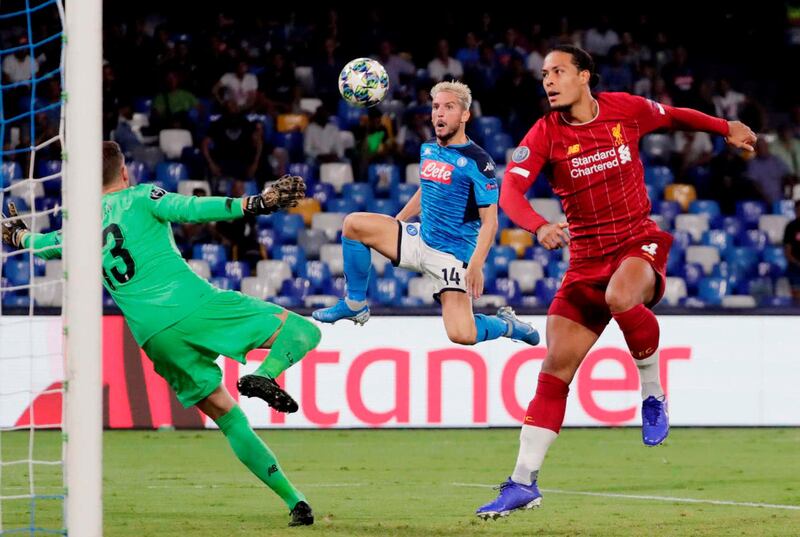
column 363, row 82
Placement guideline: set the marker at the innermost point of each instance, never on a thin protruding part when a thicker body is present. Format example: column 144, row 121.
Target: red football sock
column 640, row 328
column 547, row 408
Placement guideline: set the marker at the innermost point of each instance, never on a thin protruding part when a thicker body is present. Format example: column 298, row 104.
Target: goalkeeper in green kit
column 184, row 323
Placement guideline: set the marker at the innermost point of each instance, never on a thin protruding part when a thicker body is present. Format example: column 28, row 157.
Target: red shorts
column 582, row 296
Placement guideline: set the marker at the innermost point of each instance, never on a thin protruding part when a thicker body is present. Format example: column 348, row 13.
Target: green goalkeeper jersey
column 142, row 268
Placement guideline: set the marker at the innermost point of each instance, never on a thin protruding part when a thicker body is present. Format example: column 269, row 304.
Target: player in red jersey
column 588, row 147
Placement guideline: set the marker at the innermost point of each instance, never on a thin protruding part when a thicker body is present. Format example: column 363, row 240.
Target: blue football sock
column 357, row 262
column 489, row 327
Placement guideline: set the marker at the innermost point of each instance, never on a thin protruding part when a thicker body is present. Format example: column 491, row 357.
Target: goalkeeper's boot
column 517, row 329
column 342, row 311
column 512, row 497
column 269, row 390
column 655, row 420
column 301, row 515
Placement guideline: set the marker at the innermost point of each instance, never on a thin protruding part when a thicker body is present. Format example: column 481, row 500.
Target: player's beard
column 447, row 136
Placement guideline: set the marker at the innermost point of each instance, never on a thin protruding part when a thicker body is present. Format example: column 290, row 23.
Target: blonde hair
column 459, row 89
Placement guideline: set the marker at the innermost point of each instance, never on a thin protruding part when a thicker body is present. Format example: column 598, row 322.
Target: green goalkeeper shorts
column 230, row 324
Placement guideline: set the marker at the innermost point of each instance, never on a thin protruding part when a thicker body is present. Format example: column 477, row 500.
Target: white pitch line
column 215, row 486
column 652, row 498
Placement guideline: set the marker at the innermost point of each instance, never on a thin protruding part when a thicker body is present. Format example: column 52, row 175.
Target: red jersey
column 595, row 169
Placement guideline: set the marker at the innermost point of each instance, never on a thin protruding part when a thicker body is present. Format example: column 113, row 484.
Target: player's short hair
column 459, row 89
column 112, row 162
column 582, row 60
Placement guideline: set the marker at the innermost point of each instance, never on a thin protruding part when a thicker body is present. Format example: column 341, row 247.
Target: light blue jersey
column 456, row 180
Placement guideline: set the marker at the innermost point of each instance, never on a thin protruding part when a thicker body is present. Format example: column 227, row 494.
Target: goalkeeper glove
column 283, row 193
column 14, row 229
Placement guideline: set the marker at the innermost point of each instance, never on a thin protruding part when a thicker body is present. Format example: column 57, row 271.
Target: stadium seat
column 548, row 208
column 311, row 240
column 48, row 292
column 508, row 289
column 138, row 172
column 294, row 256
column 732, row 226
column 306, row 208
column 54, row 268
column 349, row 116
column 388, row 292
column 777, row 302
column 711, row 290
column 187, row 187
column 200, row 267
column 411, row 302
column 657, row 148
column 318, row 274
column 526, row 273
column 754, row 238
column 661, row 222
column 497, row 145
column 309, row 105
column 226, row 284
column 332, row 255
column 383, row 177
column 707, row 207
column 731, row 272
column 542, row 255
column 257, row 287
column 173, row 141
column 760, row 288
column 545, row 290
column 330, row 223
column 22, row 188
column 706, row 256
column 291, row 142
column 170, row 173
column 750, row 212
column 692, row 273
column 322, row 192
column 717, row 238
column 682, row 193
column 783, row 287
column 292, row 122
column 287, row 226
column 556, row 269
column 773, row 225
column 16, row 300
column 743, row 256
column 236, row 270
column 422, row 288
column 266, row 238
column 485, row 127
column 668, row 209
column 694, row 224
column 489, row 301
column 214, row 254
column 412, row 174
column 785, row 208
column 403, row 192
column 675, row 290
column 379, row 262
column 273, row 271
column 17, row 271
column 500, row 257
column 359, row 193
column 9, row 172
column 389, row 207
column 658, row 177
column 304, row 170
column 336, row 286
column 343, row 206
column 738, row 301
column 518, row 239
column 775, row 256
column 320, row 301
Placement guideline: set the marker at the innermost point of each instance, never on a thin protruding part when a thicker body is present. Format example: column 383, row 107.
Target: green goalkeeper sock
column 255, row 454
column 297, row 337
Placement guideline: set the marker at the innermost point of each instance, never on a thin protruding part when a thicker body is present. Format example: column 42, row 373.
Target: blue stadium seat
column 709, row 207
column 692, row 302
column 777, row 302
column 402, row 275
column 322, row 192
column 667, row 209
column 318, row 275
column 17, row 271
column 294, row 256
column 267, row 239
column 108, row 302
column 285, row 301
column 49, row 168
column 411, row 302
column 682, row 238
column 143, row 105
column 39, row 266
column 306, row 171
column 718, row 238
column 542, row 255
column 556, row 269
column 653, row 193
column 227, row 284
column 784, row 207
column 388, row 292
column 9, row 171
column 485, row 127
column 500, row 257
column 292, row 142
column 404, row 192
column 170, row 173
column 508, row 288
column 358, row 193
column 22, row 205
column 16, row 300
column 750, row 211
column 675, row 260
column 745, row 257
column 138, row 172
column 732, row 226
column 349, row 116
column 658, row 176
column 336, row 287
column 692, row 273
column 497, row 145
column 341, row 205
column 214, row 254
column 545, row 290
column 775, row 257
column 530, row 301
column 760, row 288
column 236, row 270
column 298, row 288
column 733, row 273
column 383, row 177
column 388, row 207
column 287, row 227
column 711, row 290
column 755, row 239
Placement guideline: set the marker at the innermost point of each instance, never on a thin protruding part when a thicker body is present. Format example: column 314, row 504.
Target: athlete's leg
column 465, row 328
column 247, row 445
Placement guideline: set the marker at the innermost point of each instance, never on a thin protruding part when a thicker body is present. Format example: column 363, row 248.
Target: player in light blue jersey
column 457, row 203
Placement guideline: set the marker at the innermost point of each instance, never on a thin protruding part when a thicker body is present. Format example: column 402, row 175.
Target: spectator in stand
column 400, row 70
column 599, row 40
column 374, row 141
column 124, row 134
column 681, row 79
column 509, row 48
column 768, row 173
column 415, row 131
column 240, row 85
column 482, row 79
column 240, row 235
column 469, row 54
column 635, row 53
column 536, row 58
column 443, row 65
column 754, row 113
column 322, row 138
column 232, row 149
column 644, row 86
column 787, row 148
column 326, row 73
column 172, row 106
column 278, row 84
column 694, row 151
column 188, row 234
column 728, row 101
column 660, row 92
column 616, row 75
column 516, row 96
column 791, row 249
column 794, row 120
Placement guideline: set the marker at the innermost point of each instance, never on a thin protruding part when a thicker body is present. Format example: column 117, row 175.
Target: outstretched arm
column 16, row 234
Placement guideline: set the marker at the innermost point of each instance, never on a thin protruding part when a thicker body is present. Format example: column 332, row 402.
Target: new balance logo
column 624, row 154
column 272, row 469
